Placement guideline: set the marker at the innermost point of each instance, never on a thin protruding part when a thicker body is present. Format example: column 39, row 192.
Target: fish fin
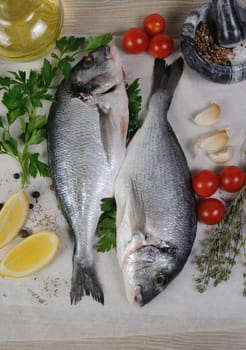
column 105, row 129
column 136, row 217
column 85, row 282
column 166, row 77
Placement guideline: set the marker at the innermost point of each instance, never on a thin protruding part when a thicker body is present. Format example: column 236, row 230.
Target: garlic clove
column 222, row 156
column 208, row 116
column 213, row 141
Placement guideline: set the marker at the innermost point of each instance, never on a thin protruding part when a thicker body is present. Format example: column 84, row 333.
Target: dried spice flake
column 209, row 48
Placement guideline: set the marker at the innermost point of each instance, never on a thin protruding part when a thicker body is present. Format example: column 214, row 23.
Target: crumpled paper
column 38, row 307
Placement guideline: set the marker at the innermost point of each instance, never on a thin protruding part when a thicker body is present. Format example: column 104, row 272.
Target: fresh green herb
column 23, row 95
column 225, row 245
column 94, row 43
column 134, row 105
column 106, row 228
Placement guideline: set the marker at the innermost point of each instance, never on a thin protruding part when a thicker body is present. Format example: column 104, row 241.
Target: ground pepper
column 209, row 48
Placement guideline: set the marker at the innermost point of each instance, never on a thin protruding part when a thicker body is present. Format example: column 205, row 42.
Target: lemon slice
column 30, row 255
column 13, row 216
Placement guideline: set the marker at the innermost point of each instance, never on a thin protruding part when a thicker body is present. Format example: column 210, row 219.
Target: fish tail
column 85, row 282
column 166, row 77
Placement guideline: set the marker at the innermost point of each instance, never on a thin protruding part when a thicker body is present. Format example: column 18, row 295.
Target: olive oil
column 29, row 28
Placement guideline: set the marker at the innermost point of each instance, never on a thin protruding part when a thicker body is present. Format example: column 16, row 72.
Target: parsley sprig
column 23, row 125
column 106, row 229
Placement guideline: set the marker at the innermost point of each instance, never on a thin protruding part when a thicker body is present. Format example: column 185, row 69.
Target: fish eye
column 171, row 250
column 160, row 280
column 88, row 62
column 164, row 249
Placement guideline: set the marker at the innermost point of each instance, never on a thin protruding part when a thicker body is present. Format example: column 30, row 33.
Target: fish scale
column 156, row 213
column 86, row 146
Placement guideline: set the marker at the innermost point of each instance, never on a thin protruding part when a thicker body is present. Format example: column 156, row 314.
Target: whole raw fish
column 86, row 145
column 156, row 212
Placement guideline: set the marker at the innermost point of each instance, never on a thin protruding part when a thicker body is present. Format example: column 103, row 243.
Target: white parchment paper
column 38, row 307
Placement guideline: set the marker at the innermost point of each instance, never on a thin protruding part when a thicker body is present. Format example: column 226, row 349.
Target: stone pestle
column 227, row 19
column 230, row 27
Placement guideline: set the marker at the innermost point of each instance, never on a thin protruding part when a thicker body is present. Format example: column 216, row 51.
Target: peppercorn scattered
column 1, row 205
column 16, row 176
column 209, row 48
column 31, row 206
column 25, row 233
column 36, row 194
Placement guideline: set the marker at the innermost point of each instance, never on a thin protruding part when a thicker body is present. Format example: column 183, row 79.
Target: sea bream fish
column 156, row 211
column 87, row 128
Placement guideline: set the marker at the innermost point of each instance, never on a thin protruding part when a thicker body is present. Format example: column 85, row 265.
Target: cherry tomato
column 232, row 178
column 154, row 24
column 161, row 46
column 211, row 211
column 135, row 40
column 205, row 183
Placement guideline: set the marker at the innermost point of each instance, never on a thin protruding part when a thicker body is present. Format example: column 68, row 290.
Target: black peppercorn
column 36, row 194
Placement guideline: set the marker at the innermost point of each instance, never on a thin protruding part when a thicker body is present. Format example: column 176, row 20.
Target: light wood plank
column 93, row 17
column 227, row 340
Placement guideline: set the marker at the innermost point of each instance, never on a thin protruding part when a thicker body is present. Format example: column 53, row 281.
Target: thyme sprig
column 225, row 246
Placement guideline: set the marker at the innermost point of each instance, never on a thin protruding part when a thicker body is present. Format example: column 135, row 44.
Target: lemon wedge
column 13, row 216
column 30, row 255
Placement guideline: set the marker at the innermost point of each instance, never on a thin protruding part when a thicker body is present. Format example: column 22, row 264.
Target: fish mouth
column 141, row 298
column 138, row 296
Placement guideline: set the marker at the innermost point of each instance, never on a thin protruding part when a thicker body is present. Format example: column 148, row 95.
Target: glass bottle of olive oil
column 29, row 28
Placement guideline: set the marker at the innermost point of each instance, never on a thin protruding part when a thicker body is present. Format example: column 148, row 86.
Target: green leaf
column 5, row 81
column 108, row 205
column 94, row 42
column 106, row 228
column 38, row 96
column 33, row 171
column 33, row 82
column 47, row 73
column 20, row 76
column 13, row 115
column 36, row 102
column 37, row 136
column 9, row 144
column 37, row 122
column 1, row 122
column 36, row 166
column 14, row 99
column 22, row 124
column 43, row 169
column 134, row 105
column 69, row 44
column 65, row 67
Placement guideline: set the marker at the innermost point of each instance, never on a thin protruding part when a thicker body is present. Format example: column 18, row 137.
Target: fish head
column 97, row 73
column 148, row 270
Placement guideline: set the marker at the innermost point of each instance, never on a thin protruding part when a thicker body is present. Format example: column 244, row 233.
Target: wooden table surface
column 101, row 16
